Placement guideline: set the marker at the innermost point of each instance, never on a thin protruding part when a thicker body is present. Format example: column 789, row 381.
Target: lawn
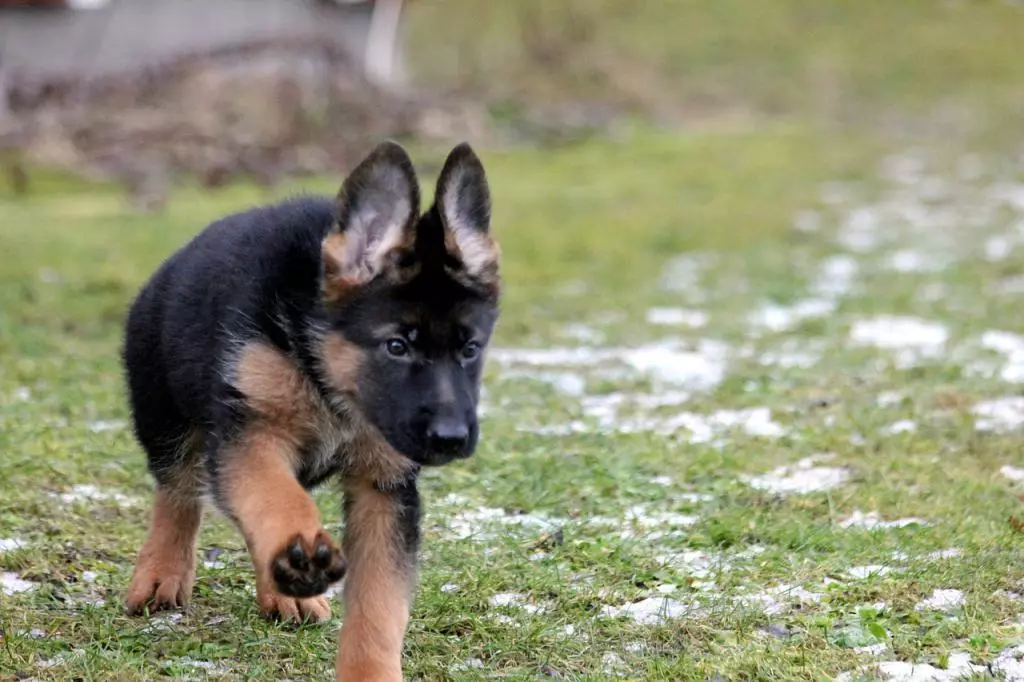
column 754, row 409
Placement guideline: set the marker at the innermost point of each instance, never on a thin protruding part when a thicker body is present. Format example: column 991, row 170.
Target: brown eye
column 396, row 348
column 471, row 351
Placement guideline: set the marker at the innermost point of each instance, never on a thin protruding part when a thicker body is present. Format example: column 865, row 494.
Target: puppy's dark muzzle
column 448, row 439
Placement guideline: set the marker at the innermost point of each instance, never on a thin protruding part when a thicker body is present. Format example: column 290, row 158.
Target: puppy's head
column 411, row 301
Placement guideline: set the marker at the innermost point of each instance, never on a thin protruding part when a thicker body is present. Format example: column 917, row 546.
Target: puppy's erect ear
column 377, row 208
column 463, row 201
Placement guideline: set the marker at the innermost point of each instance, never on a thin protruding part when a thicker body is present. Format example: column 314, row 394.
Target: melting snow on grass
column 652, row 610
column 11, row 583
column 865, row 572
column 873, row 519
column 836, row 277
column 999, row 414
column 677, row 317
column 776, row 318
column 902, row 426
column 667, row 362
column 941, row 600
column 911, row 338
column 1007, row 665
column 104, row 425
column 91, row 493
column 1011, row 346
column 514, row 600
column 1012, row 473
column 10, row 544
column 805, row 476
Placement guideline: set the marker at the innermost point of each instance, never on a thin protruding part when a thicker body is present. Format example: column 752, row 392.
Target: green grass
column 732, row 62
column 594, row 234
column 587, row 233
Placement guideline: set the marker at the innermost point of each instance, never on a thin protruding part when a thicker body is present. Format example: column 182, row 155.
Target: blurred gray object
column 85, row 39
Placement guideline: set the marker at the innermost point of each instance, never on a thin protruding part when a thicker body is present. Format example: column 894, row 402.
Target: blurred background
column 148, row 92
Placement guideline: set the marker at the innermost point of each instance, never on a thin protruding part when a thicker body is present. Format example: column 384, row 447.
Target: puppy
column 309, row 340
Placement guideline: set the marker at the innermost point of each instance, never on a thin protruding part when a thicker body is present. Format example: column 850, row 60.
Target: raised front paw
column 306, row 568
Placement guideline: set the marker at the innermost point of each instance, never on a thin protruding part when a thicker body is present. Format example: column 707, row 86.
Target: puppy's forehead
column 416, row 319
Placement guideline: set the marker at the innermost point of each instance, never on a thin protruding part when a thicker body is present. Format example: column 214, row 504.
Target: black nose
column 448, row 436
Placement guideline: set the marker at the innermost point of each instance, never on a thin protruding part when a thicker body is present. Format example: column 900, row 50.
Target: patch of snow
column 11, row 583
column 677, row 317
column 9, row 544
column 104, row 425
column 860, row 229
column 662, row 480
column 695, row 563
column 942, row 554
column 468, row 664
column 514, row 600
column 755, row 421
column 449, row 587
column 652, row 610
column 889, row 398
column 902, row 426
column 665, row 362
column 799, row 478
column 1007, row 665
column 792, row 353
column 89, row 492
column 1012, row 347
column 911, row 337
column 701, row 369
column 779, row 599
column 1012, row 473
column 779, row 318
column 163, row 622
column 941, row 600
column 865, row 572
column 668, row 523
column 214, row 565
column 999, row 414
column 873, row 519
column 999, row 247
column 836, row 277
column 908, row 260
column 578, row 356
column 476, row 522
column 23, row 394
column 612, row 663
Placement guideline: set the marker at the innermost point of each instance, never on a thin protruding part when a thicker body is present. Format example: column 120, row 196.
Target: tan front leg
column 294, row 558
column 381, row 539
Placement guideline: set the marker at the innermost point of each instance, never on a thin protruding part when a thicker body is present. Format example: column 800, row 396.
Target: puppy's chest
column 324, row 452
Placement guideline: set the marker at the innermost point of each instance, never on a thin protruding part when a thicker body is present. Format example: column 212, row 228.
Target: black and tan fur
column 310, row 340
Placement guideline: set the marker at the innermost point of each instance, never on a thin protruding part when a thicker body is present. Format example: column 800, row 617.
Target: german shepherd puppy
column 305, row 340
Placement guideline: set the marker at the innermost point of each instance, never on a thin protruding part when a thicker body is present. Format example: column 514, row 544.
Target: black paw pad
column 305, row 569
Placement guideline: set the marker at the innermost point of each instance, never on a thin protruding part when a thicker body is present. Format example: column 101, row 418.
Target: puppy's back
column 233, row 281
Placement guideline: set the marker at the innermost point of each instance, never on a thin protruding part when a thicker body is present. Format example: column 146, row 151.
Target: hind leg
column 166, row 567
